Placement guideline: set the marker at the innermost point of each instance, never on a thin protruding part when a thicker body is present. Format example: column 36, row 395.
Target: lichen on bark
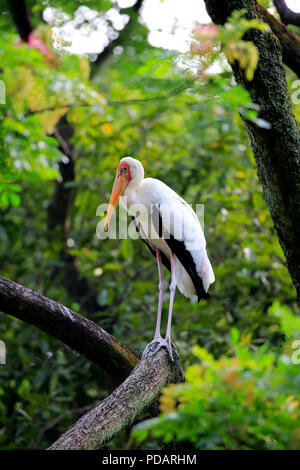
column 277, row 149
column 123, row 405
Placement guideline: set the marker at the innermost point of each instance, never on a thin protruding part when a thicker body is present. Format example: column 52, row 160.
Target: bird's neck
column 129, row 197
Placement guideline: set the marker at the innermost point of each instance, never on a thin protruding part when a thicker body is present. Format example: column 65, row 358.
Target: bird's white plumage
column 181, row 221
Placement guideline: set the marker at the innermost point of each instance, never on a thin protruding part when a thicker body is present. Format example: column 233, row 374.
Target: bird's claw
column 167, row 344
column 161, row 343
column 148, row 348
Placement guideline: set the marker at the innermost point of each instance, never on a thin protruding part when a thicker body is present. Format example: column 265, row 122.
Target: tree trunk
column 72, row 329
column 140, row 389
column 123, row 405
column 289, row 41
column 276, row 150
column 287, row 16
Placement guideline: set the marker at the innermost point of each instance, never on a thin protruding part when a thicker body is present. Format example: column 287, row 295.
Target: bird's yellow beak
column 120, row 184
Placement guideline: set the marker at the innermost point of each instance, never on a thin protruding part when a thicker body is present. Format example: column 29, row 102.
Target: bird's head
column 129, row 172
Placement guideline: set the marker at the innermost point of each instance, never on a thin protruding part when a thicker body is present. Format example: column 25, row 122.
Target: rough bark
column 139, row 390
column 72, row 329
column 289, row 41
column 287, row 16
column 123, row 405
column 276, row 150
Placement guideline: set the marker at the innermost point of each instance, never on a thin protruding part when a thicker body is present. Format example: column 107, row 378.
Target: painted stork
column 171, row 230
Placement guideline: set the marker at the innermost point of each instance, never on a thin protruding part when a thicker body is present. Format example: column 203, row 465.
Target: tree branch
column 72, row 329
column 287, row 16
column 129, row 102
column 289, row 41
column 276, row 150
column 123, row 405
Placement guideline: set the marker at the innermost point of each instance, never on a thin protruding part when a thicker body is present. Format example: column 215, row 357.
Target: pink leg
column 157, row 338
column 172, row 295
column 161, row 286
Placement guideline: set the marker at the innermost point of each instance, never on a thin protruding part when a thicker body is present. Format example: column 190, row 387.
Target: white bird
column 171, row 230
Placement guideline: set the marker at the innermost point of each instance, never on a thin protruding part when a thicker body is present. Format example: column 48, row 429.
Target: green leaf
column 127, row 249
column 234, row 336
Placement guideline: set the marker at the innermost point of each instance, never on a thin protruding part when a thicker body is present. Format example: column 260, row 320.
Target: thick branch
column 276, row 150
column 125, row 403
column 287, row 16
column 289, row 41
column 72, row 329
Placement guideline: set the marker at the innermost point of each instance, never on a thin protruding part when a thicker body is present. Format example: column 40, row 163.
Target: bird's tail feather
column 206, row 272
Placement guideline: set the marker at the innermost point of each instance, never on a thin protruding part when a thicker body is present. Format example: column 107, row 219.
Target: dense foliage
column 247, row 400
column 186, row 129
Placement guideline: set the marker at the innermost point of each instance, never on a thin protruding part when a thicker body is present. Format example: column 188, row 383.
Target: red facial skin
column 122, row 180
column 124, row 165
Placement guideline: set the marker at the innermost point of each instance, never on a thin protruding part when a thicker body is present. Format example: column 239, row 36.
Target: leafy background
column 186, row 130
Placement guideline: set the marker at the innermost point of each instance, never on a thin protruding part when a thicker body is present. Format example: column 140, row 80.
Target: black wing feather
column 164, row 259
column 178, row 248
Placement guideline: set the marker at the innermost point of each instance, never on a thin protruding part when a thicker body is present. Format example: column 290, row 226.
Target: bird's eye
column 124, row 171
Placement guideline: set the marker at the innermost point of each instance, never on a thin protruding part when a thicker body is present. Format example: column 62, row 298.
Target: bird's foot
column 149, row 347
column 164, row 343
column 161, row 342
